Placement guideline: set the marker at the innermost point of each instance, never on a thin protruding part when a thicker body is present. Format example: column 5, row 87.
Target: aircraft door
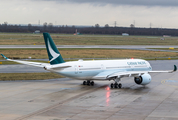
column 131, row 68
column 76, row 69
column 102, row 67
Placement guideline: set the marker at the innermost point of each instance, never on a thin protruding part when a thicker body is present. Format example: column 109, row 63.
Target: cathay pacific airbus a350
column 89, row 71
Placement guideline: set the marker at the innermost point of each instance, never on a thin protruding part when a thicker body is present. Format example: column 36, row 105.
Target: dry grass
column 60, row 39
column 28, row 76
column 86, row 53
column 25, row 53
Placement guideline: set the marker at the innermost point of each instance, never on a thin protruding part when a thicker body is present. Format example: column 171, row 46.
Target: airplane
column 93, row 70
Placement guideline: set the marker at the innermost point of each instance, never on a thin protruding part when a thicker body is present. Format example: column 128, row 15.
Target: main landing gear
column 116, row 85
column 88, row 82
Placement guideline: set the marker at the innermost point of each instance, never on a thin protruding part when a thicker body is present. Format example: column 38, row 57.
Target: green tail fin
column 53, row 53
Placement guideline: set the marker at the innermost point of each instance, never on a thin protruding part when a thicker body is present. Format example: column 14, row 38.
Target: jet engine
column 143, row 79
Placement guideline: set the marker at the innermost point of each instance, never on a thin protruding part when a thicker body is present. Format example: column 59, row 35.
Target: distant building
column 36, row 32
column 125, row 34
column 166, row 36
column 77, row 33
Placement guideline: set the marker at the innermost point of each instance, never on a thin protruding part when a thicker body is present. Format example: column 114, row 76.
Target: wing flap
column 118, row 74
column 126, row 74
column 103, row 75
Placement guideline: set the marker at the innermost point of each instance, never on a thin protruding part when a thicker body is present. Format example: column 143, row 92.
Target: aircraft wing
column 170, row 71
column 119, row 74
column 37, row 64
column 46, row 66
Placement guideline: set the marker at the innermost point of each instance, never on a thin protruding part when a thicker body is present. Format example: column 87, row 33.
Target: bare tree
column 45, row 25
column 106, row 26
column 5, row 24
column 29, row 26
column 50, row 25
column 97, row 25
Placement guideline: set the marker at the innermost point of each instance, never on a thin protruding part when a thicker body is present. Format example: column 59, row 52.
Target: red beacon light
column 132, row 58
column 107, row 88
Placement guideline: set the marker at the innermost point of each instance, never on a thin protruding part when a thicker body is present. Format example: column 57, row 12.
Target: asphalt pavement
column 68, row 99
column 135, row 47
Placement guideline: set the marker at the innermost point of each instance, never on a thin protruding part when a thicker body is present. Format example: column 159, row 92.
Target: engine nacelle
column 143, row 79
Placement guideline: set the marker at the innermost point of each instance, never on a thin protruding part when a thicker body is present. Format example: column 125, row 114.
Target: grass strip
column 28, row 76
column 86, row 53
column 63, row 39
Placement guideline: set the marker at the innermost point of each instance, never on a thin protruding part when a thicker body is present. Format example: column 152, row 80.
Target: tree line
column 96, row 29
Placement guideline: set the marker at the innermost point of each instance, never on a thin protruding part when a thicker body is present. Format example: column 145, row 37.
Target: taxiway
column 134, row 47
column 61, row 99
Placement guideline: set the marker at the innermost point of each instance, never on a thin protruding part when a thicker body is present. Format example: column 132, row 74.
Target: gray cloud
column 76, row 12
column 125, row 2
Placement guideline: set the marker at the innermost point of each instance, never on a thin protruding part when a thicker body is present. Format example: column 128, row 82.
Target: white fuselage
column 87, row 70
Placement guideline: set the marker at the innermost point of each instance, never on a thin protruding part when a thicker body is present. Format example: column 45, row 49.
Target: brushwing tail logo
column 53, row 54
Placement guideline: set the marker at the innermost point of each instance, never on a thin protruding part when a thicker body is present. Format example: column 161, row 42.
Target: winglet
column 175, row 68
column 4, row 56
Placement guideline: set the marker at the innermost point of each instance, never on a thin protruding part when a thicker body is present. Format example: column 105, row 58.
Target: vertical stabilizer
column 53, row 53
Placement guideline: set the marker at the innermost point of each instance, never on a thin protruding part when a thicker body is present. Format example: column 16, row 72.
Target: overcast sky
column 157, row 13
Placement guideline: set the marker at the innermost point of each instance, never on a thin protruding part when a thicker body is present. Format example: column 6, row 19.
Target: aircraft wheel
column 84, row 82
column 116, row 85
column 120, row 85
column 92, row 83
column 112, row 85
column 88, row 83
